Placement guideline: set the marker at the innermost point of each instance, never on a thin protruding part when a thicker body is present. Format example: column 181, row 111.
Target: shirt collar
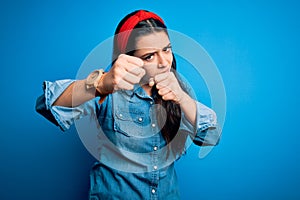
column 137, row 90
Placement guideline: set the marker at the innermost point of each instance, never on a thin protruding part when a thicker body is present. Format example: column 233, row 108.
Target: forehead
column 156, row 40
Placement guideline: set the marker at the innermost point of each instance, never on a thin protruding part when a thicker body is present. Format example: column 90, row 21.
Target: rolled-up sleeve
column 61, row 116
column 206, row 131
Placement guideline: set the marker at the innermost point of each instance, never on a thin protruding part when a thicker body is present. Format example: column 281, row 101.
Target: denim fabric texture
column 131, row 140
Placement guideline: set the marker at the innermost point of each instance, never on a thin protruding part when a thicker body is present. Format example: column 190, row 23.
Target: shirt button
column 155, row 148
column 155, row 167
column 153, row 125
column 140, row 119
column 153, row 191
column 151, row 102
column 120, row 115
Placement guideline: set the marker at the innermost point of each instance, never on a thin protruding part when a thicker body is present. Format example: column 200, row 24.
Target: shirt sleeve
column 61, row 116
column 206, row 131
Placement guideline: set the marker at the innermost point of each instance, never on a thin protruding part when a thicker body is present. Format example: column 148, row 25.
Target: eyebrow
column 152, row 52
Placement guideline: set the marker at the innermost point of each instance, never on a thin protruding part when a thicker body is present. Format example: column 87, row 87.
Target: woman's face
column 155, row 50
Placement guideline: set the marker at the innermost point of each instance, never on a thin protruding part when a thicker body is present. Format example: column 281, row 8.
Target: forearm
column 75, row 94
column 189, row 108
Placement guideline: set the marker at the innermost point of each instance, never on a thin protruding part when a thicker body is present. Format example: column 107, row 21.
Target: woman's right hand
column 124, row 74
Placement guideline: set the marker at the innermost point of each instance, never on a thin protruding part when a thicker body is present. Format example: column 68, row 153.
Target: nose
column 162, row 61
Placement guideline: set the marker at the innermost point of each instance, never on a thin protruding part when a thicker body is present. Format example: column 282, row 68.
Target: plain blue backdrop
column 255, row 45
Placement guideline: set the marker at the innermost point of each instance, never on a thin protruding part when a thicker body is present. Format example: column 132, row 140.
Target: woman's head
column 132, row 26
column 143, row 34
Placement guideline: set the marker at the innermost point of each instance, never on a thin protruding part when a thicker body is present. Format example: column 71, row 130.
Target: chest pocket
column 132, row 122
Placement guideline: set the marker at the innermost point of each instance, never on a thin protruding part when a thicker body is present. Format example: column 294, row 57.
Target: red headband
column 130, row 23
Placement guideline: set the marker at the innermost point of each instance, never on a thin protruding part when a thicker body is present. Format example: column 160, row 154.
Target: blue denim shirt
column 131, row 150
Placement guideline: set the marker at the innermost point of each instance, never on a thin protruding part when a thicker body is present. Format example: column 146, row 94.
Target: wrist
column 181, row 98
column 94, row 84
column 100, row 86
column 100, row 89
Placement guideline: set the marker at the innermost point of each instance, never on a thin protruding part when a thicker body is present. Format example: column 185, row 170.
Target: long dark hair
column 169, row 112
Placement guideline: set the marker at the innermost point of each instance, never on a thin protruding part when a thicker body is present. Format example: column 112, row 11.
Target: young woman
column 143, row 108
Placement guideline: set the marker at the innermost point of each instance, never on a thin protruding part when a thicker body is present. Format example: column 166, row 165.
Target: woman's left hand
column 168, row 87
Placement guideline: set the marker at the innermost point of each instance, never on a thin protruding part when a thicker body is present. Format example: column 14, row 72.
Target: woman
column 144, row 109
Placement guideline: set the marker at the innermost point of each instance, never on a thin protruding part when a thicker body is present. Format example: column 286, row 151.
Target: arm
column 188, row 107
column 200, row 121
column 74, row 95
column 197, row 119
column 67, row 100
column 169, row 88
column 125, row 72
column 60, row 115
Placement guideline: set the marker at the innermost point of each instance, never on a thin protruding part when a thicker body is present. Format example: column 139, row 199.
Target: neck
column 147, row 89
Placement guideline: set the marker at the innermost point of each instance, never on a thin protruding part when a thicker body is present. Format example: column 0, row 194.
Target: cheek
column 170, row 58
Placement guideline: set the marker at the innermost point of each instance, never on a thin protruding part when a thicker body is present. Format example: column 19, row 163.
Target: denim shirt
column 131, row 149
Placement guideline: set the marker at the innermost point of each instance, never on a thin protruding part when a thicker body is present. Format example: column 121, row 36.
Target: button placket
column 154, row 162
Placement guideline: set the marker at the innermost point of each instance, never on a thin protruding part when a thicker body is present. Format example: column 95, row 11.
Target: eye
column 167, row 49
column 148, row 57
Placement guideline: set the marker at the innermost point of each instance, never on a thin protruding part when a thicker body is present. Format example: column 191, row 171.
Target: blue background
column 255, row 46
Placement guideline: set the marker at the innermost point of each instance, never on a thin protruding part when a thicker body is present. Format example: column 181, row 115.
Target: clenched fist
column 168, row 87
column 124, row 74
